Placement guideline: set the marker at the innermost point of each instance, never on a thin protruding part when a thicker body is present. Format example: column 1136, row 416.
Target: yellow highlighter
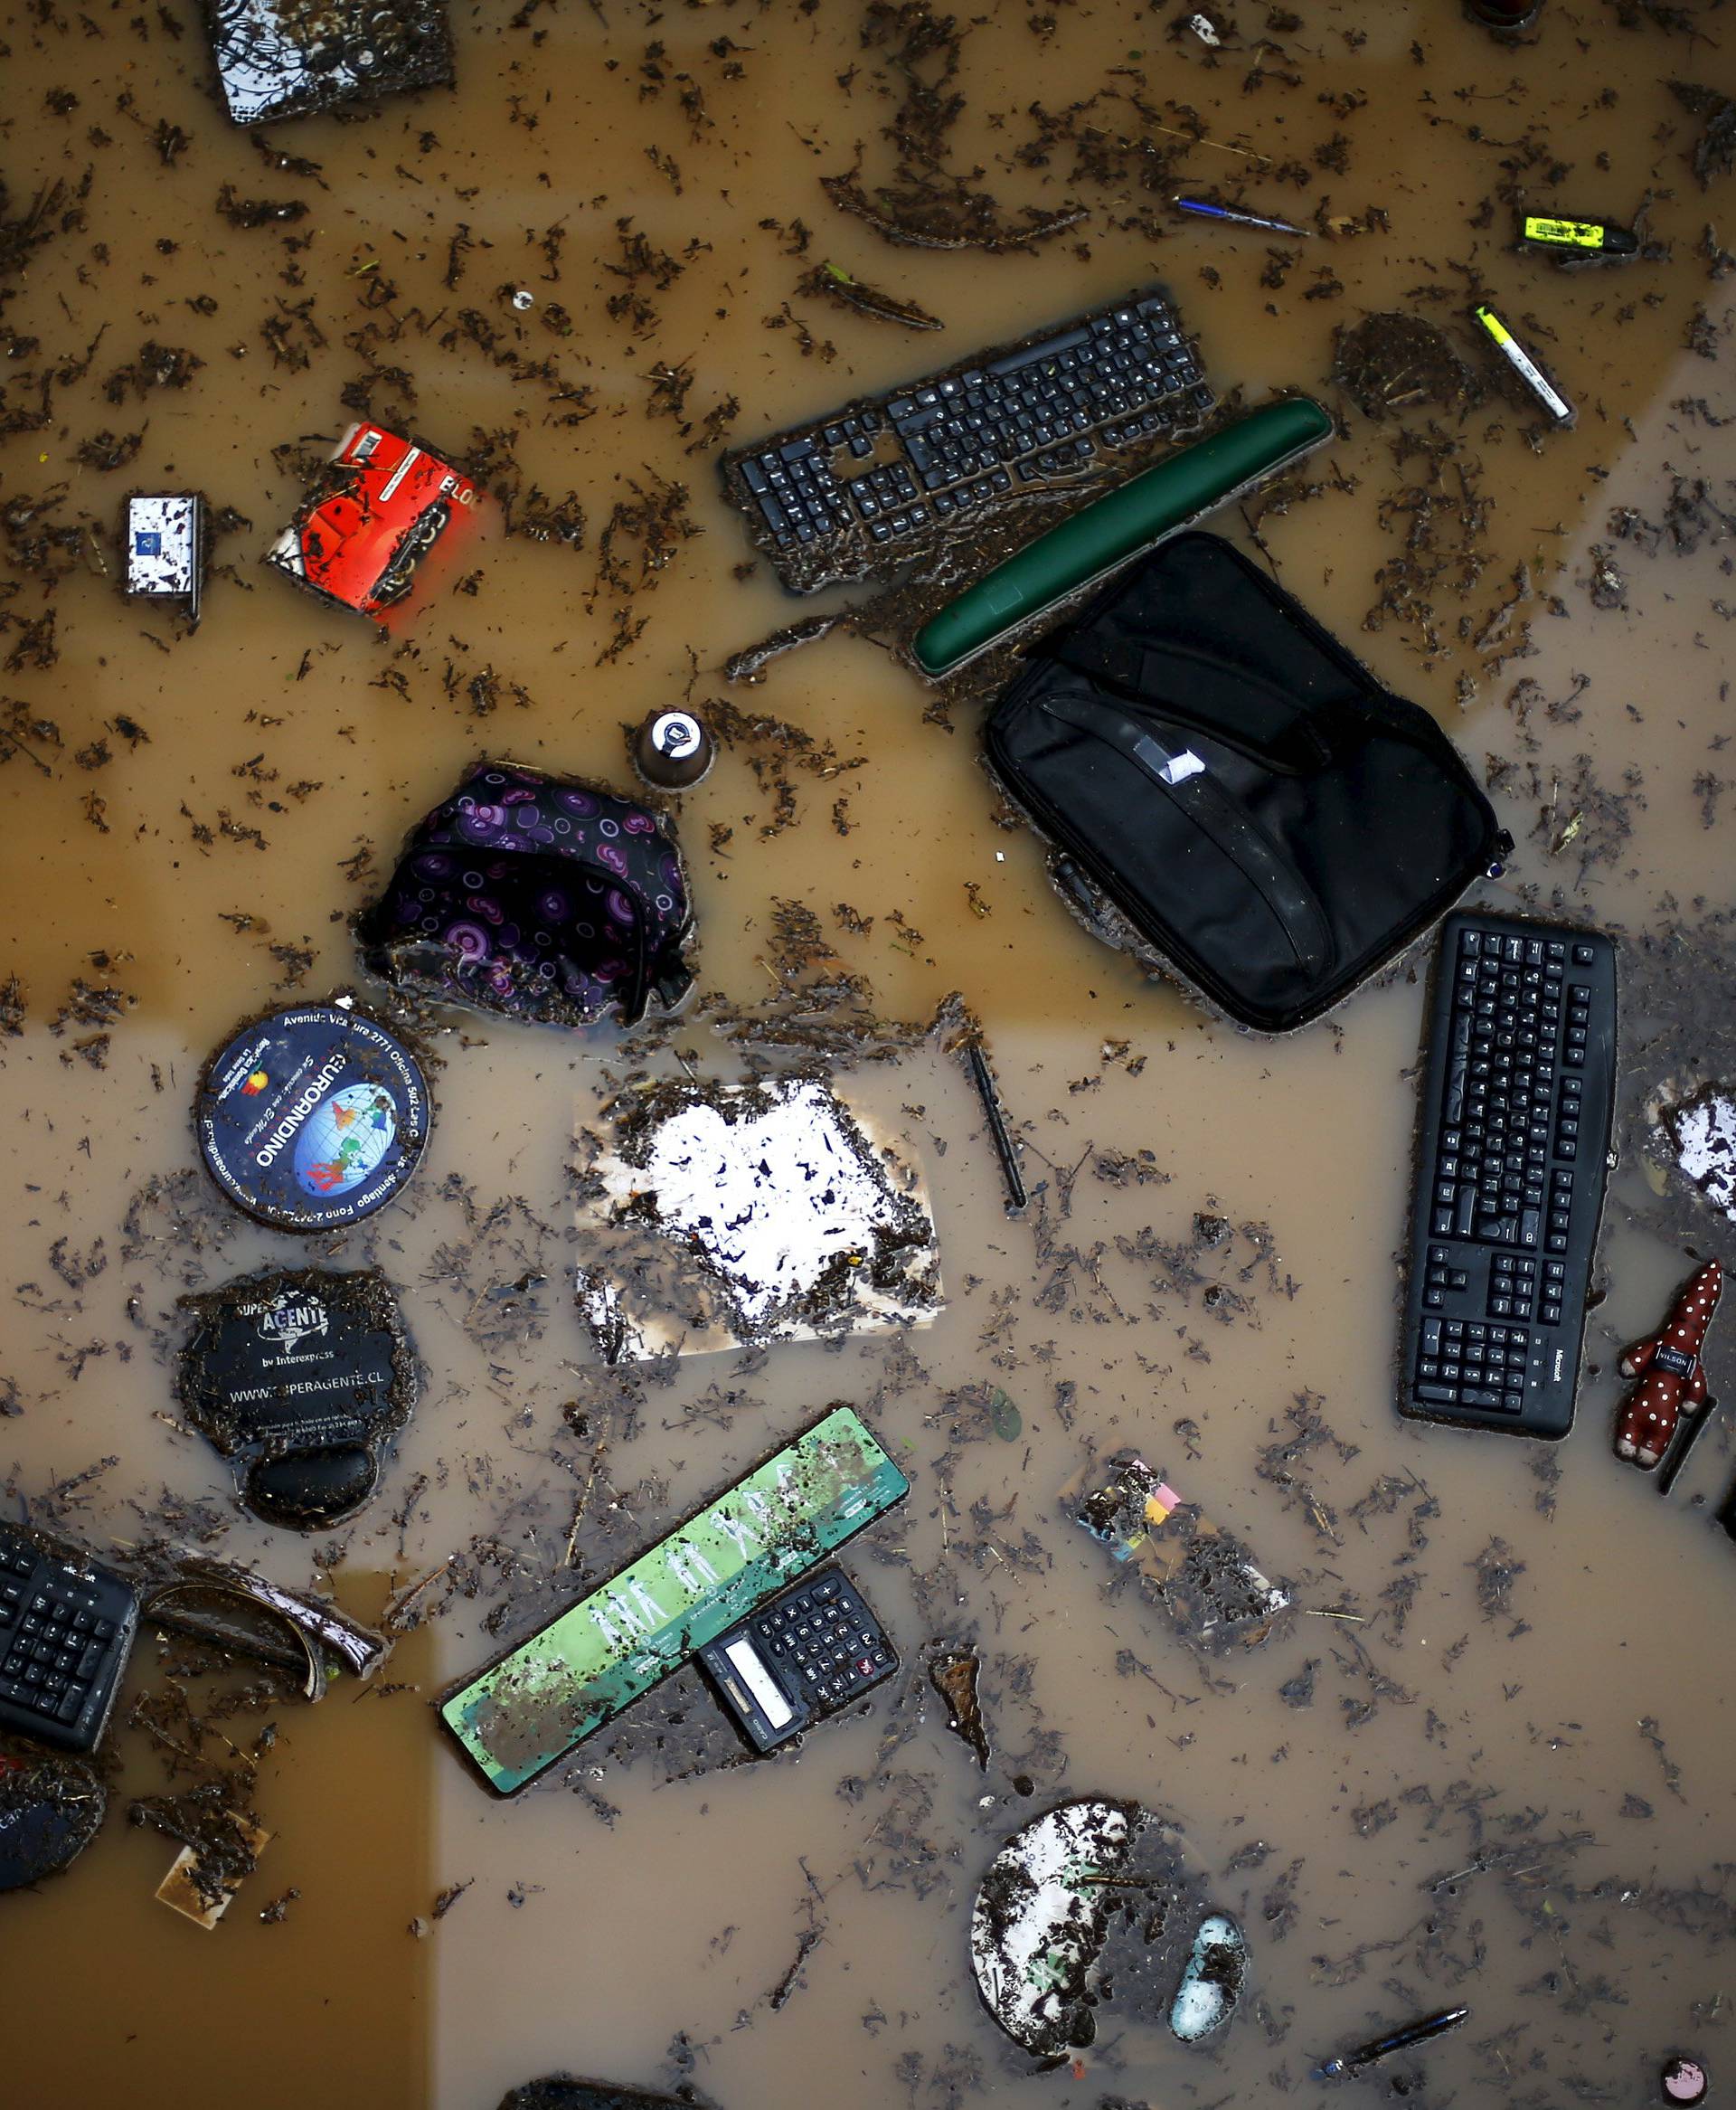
column 1575, row 240
column 1560, row 411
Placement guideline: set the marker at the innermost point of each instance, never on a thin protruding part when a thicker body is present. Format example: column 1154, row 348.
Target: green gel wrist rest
column 1118, row 526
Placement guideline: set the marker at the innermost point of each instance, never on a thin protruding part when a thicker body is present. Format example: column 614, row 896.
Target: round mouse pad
column 50, row 1810
column 314, row 1118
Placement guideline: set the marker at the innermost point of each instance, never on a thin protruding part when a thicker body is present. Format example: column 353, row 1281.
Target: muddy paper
column 755, row 1213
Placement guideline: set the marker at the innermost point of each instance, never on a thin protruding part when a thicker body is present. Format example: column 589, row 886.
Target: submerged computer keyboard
column 841, row 499
column 1511, row 1165
column 66, row 1630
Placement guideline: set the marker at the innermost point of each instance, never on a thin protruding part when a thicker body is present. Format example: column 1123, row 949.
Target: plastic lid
column 311, row 1119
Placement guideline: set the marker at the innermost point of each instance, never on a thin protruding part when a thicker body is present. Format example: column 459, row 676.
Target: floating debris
column 673, row 750
column 1685, row 2080
column 811, row 1652
column 1092, row 1902
column 278, row 58
column 311, row 1119
column 1212, row 1981
column 1576, row 240
column 1009, row 1423
column 199, row 1893
column 833, row 283
column 1559, row 409
column 1203, row 1577
column 953, row 1675
column 1680, row 1451
column 561, row 2092
column 1702, row 1131
column 373, row 515
column 984, row 1079
column 751, row 1213
column 1204, row 208
column 582, row 913
column 165, row 550
column 244, row 1613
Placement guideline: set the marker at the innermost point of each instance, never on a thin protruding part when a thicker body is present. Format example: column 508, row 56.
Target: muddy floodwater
column 1482, row 1756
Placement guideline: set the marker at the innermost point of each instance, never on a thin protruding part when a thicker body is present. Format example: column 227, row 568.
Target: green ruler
column 531, row 1707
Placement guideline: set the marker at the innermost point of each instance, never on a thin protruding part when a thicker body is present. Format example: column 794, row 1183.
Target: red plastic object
column 363, row 533
column 1672, row 1378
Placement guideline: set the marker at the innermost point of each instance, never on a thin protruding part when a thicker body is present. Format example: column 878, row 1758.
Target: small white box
column 162, row 552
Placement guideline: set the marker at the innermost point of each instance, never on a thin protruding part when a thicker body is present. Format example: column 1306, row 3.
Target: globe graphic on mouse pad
column 346, row 1137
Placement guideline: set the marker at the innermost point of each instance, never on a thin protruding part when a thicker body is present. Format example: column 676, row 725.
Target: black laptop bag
column 1267, row 817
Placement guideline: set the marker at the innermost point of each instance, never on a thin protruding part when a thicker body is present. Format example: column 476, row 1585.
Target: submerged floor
column 1484, row 1758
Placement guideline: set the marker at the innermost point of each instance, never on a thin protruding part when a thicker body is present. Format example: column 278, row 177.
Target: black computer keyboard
column 66, row 1630
column 802, row 1657
column 1512, row 1160
column 841, row 499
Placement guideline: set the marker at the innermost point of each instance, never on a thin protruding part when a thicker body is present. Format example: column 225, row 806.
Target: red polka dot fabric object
column 1672, row 1377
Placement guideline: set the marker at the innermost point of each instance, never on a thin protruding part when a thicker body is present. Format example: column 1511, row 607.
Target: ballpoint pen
column 1400, row 2039
column 1236, row 216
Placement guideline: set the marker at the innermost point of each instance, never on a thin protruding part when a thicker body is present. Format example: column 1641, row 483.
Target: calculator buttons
column 813, row 1650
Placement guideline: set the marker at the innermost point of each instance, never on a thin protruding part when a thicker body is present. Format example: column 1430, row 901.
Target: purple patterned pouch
column 538, row 898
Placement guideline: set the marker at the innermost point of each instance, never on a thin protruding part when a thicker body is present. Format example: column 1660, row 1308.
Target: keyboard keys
column 66, row 1631
column 1510, row 1190
column 1037, row 414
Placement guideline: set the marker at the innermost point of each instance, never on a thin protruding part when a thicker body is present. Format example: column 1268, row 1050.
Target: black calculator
column 66, row 1630
column 799, row 1658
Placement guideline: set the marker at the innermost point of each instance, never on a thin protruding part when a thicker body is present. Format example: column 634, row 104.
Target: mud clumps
column 561, row 2092
column 220, row 1839
column 832, row 282
column 927, row 205
column 1714, row 151
column 1497, row 1569
column 1390, row 360
column 953, row 1674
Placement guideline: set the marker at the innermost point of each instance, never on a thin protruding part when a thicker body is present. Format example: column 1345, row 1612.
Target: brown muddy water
column 1508, row 1665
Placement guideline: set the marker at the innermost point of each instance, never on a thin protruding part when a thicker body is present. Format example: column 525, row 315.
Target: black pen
column 984, row 1079
column 1401, row 2039
column 1236, row 216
